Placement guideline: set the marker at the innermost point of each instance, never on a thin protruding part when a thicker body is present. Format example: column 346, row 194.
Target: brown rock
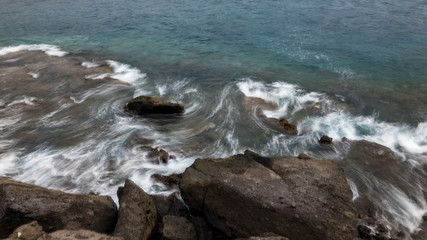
column 143, row 105
column 325, row 140
column 247, row 195
column 178, row 228
column 79, row 235
column 137, row 214
column 30, row 231
column 266, row 236
column 282, row 125
column 21, row 203
column 156, row 154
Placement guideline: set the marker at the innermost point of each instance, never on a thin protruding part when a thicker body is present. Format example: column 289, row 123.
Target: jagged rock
column 156, row 154
column 171, row 180
column 21, row 203
column 283, row 125
column 325, row 140
column 137, row 213
column 78, row 235
column 178, row 228
column 30, row 231
column 143, row 105
column 247, row 195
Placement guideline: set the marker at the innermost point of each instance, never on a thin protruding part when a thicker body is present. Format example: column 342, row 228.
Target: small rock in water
column 156, row 154
column 290, row 129
column 144, row 105
column 325, row 140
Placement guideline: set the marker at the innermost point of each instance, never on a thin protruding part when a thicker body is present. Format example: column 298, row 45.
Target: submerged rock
column 143, row 105
column 21, row 203
column 249, row 195
column 178, row 228
column 156, row 155
column 137, row 213
column 326, row 140
column 283, row 125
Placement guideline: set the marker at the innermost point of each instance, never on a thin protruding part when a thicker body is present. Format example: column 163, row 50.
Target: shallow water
column 335, row 68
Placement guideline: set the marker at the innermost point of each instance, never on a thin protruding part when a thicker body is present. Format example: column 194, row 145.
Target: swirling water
column 345, row 69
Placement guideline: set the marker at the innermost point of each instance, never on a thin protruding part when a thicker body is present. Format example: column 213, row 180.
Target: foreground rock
column 143, row 105
column 21, row 203
column 79, row 235
column 137, row 213
column 28, row 231
column 178, row 228
column 249, row 195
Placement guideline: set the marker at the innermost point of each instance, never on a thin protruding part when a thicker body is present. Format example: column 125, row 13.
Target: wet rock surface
column 137, row 213
column 325, row 140
column 21, row 203
column 156, row 154
column 248, row 195
column 144, row 105
column 282, row 125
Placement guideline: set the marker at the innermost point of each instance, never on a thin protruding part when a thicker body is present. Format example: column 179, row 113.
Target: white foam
column 33, row 74
column 8, row 163
column 125, row 72
column 90, row 64
column 353, row 189
column 289, row 97
column 50, row 50
column 98, row 76
column 25, row 100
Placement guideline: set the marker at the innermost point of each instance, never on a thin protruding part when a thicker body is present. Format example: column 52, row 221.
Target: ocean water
column 355, row 69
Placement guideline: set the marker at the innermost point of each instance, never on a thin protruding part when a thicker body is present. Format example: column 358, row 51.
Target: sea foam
column 50, row 50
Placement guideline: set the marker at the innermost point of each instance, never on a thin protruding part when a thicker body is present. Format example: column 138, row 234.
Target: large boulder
column 143, row 105
column 21, row 203
column 248, row 195
column 137, row 213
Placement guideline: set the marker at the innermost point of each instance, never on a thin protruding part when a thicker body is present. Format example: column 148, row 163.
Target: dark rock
column 79, row 235
column 30, row 231
column 247, row 195
column 303, row 156
column 137, row 214
column 143, row 105
column 283, row 125
column 21, row 203
column 425, row 217
column 156, row 154
column 178, row 228
column 325, row 140
column 171, row 180
column 170, row 205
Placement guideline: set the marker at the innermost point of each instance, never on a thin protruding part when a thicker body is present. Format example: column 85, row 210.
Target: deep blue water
column 337, row 47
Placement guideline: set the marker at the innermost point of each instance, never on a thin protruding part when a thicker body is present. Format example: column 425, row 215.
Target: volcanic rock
column 178, row 228
column 143, row 105
column 137, row 213
column 248, row 195
column 21, row 203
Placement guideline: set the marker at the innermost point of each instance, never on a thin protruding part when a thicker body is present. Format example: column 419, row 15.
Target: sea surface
column 354, row 69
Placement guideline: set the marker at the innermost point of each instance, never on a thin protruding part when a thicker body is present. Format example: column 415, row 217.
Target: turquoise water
column 338, row 47
column 345, row 69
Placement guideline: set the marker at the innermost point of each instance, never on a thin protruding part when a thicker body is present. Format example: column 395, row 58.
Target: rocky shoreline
column 245, row 196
